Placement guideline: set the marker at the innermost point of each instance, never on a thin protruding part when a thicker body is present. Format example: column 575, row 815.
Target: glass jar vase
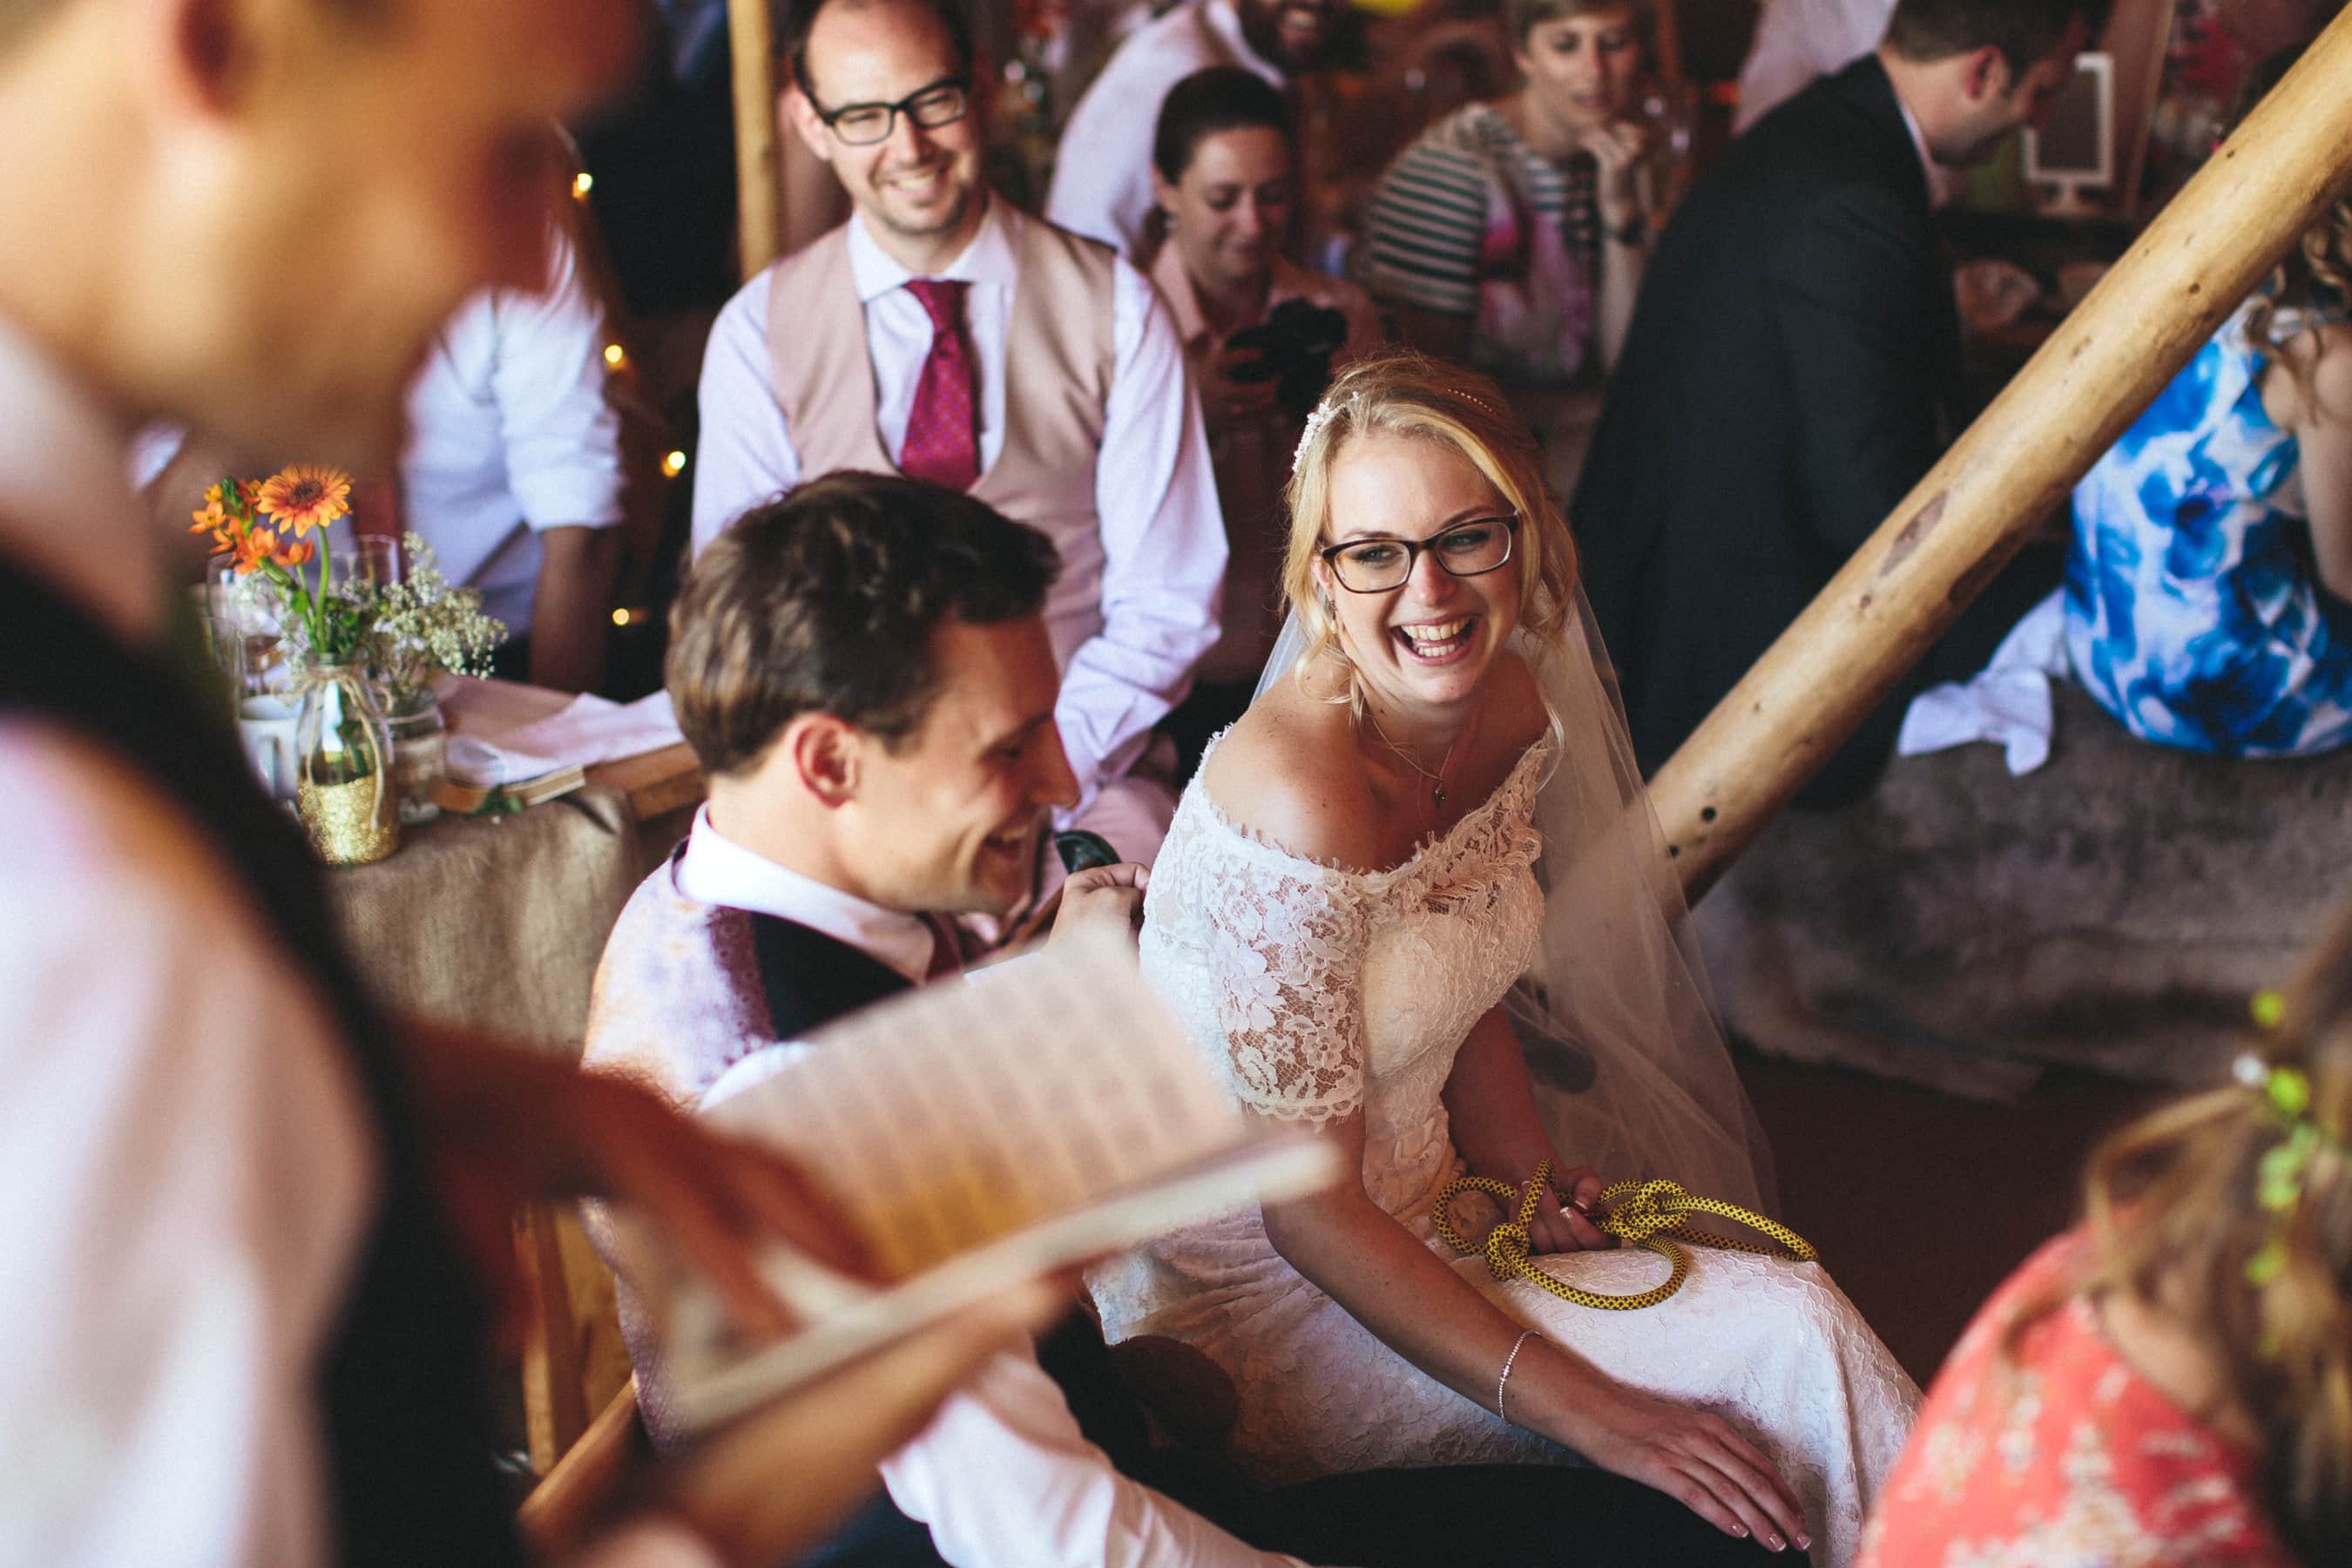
column 420, row 754
column 345, row 787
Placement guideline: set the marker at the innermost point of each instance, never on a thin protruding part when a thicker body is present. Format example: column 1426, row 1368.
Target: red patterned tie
column 943, row 428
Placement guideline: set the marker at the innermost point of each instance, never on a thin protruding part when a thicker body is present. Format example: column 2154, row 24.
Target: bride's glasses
column 1466, row 550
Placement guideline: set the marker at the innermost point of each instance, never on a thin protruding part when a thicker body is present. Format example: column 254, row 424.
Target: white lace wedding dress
column 1317, row 992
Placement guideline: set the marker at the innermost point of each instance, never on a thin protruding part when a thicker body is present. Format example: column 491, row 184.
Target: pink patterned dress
column 2061, row 1457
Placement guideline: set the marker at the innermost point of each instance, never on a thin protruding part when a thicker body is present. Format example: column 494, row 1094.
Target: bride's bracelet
column 1504, row 1382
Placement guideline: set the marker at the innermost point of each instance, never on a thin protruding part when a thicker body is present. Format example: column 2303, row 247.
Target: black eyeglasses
column 864, row 125
column 1469, row 548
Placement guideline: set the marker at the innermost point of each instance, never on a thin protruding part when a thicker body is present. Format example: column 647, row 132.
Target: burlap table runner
column 495, row 923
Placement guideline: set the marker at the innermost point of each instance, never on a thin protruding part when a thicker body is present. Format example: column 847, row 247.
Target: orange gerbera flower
column 304, row 496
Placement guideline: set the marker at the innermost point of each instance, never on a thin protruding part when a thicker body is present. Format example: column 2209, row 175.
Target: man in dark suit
column 1788, row 374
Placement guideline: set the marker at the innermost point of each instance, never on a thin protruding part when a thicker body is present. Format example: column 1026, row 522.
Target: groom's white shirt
column 1002, row 1475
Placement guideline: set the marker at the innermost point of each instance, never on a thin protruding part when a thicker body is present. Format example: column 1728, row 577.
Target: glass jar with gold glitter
column 346, row 789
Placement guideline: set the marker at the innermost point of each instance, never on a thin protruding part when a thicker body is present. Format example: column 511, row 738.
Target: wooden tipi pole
column 759, row 191
column 2105, row 363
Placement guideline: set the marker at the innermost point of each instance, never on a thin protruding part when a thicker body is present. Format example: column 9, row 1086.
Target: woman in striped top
column 1512, row 234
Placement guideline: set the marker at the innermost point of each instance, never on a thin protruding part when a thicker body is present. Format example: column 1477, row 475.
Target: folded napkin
column 585, row 731
column 2008, row 703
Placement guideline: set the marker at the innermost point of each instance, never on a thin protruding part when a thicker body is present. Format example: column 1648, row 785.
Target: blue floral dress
column 2193, row 614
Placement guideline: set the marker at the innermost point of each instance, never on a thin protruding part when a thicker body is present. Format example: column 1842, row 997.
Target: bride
column 1415, row 900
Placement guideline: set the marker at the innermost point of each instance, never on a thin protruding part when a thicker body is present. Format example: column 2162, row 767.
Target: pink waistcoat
column 1059, row 354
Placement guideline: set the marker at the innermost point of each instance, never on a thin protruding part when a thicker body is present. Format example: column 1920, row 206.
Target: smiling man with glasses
column 941, row 334
column 864, row 125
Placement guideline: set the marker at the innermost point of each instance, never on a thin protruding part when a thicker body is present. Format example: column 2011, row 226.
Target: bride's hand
column 1695, row 1458
column 1564, row 1223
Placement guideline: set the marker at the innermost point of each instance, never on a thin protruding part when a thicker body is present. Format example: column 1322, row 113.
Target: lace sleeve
column 1286, row 973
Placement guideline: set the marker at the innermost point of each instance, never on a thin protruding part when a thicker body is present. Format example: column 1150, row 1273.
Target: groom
column 865, row 673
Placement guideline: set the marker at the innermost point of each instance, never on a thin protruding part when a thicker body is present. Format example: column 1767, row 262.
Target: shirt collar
column 1175, row 285
column 990, row 257
column 67, row 511
column 718, row 870
column 1927, row 165
column 1226, row 22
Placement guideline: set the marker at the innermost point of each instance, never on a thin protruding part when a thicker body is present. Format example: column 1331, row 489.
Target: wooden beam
column 759, row 193
column 2105, row 362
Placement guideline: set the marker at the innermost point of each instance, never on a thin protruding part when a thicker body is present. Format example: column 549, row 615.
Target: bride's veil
column 1631, row 1073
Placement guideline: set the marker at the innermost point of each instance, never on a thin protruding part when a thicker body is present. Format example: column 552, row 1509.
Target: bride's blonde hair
column 1423, row 399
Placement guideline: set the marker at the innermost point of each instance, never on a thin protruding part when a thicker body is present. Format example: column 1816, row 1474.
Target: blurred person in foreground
column 244, row 1324
column 2170, row 1381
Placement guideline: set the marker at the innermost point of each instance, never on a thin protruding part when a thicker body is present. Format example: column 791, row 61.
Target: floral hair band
column 2280, row 1177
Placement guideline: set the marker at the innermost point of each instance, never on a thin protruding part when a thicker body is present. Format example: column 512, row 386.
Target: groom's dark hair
column 826, row 601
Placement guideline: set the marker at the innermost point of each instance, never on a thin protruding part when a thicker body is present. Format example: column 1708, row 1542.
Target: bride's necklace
column 1436, row 781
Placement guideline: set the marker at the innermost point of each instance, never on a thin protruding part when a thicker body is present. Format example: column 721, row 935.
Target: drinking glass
column 246, row 639
column 370, row 558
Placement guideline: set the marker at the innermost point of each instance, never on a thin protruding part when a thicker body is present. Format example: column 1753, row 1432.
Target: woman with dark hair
column 2206, row 591
column 2172, row 1382
column 1264, row 337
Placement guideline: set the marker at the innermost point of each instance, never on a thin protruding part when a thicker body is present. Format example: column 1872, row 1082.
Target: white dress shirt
column 1797, row 40
column 715, row 869
column 510, row 434
column 1127, row 655
column 1102, row 174
column 191, row 1157
column 1002, row 1475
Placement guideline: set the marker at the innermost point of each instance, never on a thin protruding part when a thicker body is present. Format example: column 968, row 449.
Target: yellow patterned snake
column 1651, row 1214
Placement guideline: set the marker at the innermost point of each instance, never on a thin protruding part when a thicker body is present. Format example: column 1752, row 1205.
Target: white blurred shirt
column 1102, row 173
column 1797, row 40
column 510, row 434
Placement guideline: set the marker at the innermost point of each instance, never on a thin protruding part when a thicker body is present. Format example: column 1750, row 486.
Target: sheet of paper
column 960, row 1112
column 976, row 1135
